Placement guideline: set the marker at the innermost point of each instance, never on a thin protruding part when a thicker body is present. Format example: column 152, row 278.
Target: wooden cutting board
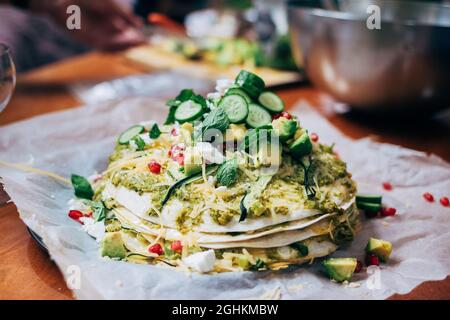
column 151, row 57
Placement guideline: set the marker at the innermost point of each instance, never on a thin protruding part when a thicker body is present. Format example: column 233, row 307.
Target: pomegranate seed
column 444, row 201
column 174, row 132
column 180, row 159
column 176, row 246
column 387, row 186
column 372, row 260
column 174, row 151
column 76, row 215
column 359, row 266
column 156, row 248
column 154, row 167
column 387, row 212
column 428, row 196
column 314, row 137
column 286, row 115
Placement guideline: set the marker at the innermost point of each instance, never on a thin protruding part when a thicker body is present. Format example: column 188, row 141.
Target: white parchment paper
column 80, row 140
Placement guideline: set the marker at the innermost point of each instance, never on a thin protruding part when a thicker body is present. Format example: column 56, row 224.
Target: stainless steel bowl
column 403, row 65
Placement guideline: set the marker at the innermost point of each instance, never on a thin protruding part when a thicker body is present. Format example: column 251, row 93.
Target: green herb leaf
column 258, row 265
column 227, row 172
column 300, row 247
column 82, row 187
column 154, row 132
column 216, row 119
column 140, row 143
column 99, row 211
column 171, row 116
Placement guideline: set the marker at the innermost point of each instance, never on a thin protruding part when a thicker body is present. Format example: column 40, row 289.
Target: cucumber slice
column 239, row 92
column 271, row 101
column 251, row 83
column 188, row 111
column 371, row 207
column 235, row 107
column 130, row 133
column 301, row 147
column 258, row 116
column 369, row 198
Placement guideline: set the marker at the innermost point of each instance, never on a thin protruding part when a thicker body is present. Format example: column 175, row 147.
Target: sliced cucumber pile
column 271, row 101
column 130, row 133
column 188, row 111
column 258, row 116
column 240, row 92
column 235, row 107
column 250, row 83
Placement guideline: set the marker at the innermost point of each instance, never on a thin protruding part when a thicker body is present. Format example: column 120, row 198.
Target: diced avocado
column 186, row 130
column 340, row 269
column 284, row 128
column 192, row 161
column 243, row 262
column 301, row 147
column 381, row 248
column 236, row 132
column 251, row 200
column 112, row 246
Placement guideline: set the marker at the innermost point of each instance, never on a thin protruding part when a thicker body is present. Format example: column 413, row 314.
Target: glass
column 7, row 76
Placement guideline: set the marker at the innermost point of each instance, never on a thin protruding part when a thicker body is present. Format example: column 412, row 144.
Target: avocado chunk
column 284, row 128
column 301, row 147
column 340, row 269
column 251, row 201
column 243, row 262
column 192, row 161
column 381, row 248
column 112, row 246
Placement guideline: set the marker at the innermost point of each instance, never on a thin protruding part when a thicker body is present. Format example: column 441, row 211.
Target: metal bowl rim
column 347, row 16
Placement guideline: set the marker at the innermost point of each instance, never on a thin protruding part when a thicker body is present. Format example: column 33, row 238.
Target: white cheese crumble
column 201, row 261
column 133, row 145
column 213, row 95
column 209, row 153
column 78, row 204
column 222, row 85
column 94, row 228
column 146, row 138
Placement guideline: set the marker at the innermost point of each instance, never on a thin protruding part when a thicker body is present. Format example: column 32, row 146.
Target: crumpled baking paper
column 156, row 85
column 79, row 141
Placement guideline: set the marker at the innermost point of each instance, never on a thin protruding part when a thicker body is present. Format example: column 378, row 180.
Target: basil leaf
column 82, row 187
column 227, row 173
column 99, row 211
column 154, row 132
column 140, row 143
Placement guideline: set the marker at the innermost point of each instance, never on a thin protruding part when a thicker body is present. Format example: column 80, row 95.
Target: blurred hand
column 105, row 24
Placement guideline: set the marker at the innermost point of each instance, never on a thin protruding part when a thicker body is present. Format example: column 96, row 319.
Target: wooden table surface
column 26, row 272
